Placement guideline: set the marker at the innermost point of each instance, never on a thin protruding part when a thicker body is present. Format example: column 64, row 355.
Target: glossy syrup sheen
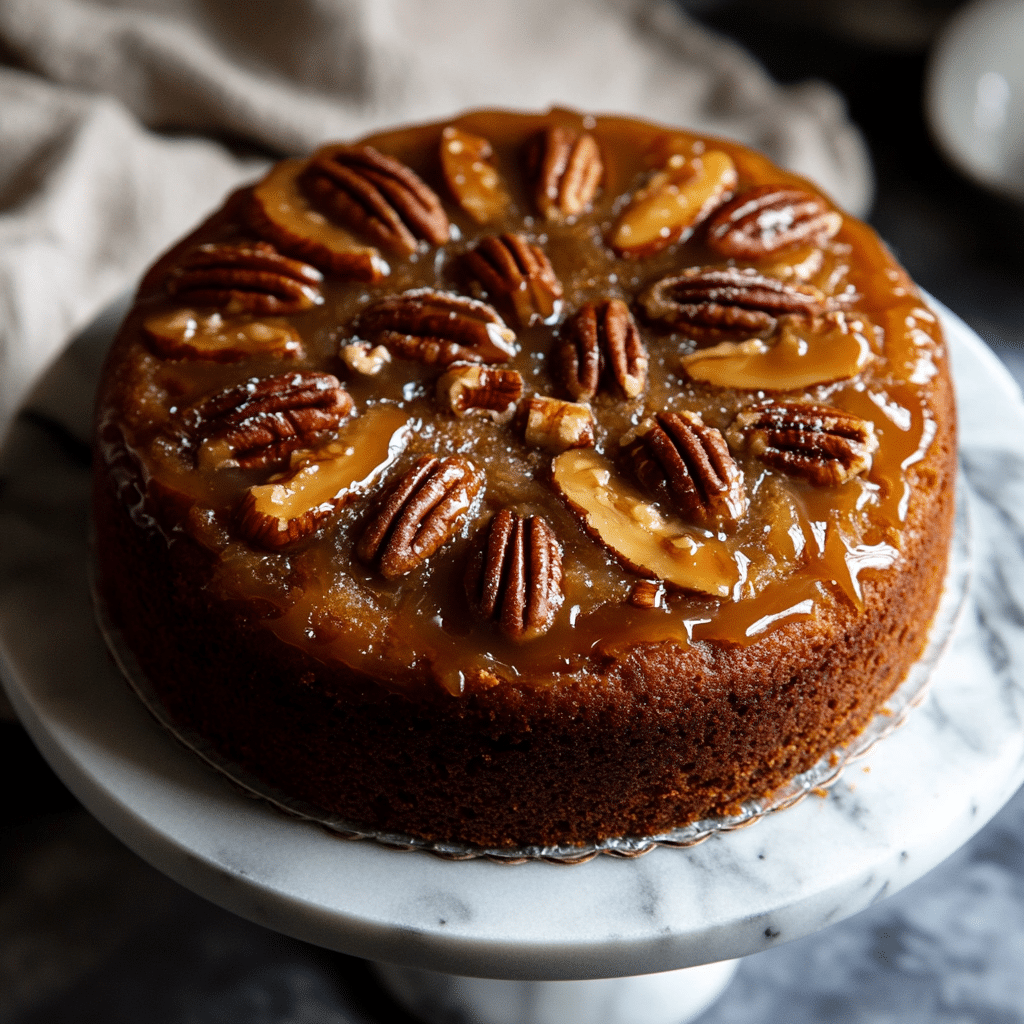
column 798, row 548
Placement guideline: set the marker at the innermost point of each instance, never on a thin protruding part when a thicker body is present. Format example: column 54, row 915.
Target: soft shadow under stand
column 664, row 925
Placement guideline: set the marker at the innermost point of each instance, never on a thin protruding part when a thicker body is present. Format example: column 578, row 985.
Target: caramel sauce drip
column 798, row 547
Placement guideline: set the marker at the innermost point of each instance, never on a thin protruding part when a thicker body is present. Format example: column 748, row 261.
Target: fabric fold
column 124, row 121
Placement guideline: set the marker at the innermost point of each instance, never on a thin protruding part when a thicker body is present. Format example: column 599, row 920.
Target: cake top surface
column 499, row 397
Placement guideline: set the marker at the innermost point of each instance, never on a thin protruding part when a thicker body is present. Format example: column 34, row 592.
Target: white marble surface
column 927, row 788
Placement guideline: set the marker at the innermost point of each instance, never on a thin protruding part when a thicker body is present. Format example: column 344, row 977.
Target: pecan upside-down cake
column 525, row 479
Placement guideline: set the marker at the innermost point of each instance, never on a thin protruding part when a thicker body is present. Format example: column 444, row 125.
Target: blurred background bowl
column 974, row 94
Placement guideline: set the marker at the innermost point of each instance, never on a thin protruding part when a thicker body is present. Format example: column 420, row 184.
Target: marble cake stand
column 911, row 801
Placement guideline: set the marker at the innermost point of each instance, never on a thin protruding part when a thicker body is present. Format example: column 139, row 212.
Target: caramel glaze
column 798, row 546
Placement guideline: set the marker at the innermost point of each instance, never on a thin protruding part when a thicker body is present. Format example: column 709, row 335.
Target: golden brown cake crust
column 656, row 716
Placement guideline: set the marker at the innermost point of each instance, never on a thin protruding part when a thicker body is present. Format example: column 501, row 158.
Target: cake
column 524, row 479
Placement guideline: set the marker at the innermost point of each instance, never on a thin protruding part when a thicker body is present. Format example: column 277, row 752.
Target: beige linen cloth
column 122, row 122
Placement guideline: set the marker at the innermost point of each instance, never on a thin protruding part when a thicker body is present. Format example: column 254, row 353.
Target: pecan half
column 295, row 503
column 625, row 352
column 272, row 530
column 189, row 334
column 567, row 168
column 438, row 328
column 360, row 358
column 671, row 205
column 470, row 174
column 518, row 581
column 518, row 275
column 245, row 277
column 647, row 594
column 825, row 445
column 476, row 390
column 708, row 303
column 376, row 195
column 686, row 463
column 557, row 425
column 420, row 512
column 602, row 336
column 633, row 528
column 259, row 422
column 278, row 209
column 768, row 219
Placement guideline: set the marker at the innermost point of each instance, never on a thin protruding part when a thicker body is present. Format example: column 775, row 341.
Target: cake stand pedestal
column 916, row 797
column 671, row 997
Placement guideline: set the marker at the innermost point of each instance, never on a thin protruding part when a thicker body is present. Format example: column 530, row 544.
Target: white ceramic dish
column 974, row 94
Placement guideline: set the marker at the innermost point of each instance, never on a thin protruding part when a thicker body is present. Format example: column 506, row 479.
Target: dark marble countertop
column 89, row 932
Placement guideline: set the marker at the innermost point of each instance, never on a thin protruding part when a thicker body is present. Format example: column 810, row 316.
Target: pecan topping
column 800, row 354
column 279, row 210
column 687, row 463
column 768, row 219
column 259, row 422
column 552, row 423
column 636, row 532
column 567, row 169
column 517, row 274
column 295, row 503
column 246, row 277
column 376, row 195
column 189, row 334
column 519, row 583
column 469, row 172
column 825, row 445
column 275, row 532
column 647, row 594
column 713, row 302
column 602, row 335
column 438, row 328
column 360, row 358
column 673, row 203
column 472, row 389
column 420, row 512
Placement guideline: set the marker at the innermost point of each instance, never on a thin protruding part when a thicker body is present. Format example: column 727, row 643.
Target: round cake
column 525, row 479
